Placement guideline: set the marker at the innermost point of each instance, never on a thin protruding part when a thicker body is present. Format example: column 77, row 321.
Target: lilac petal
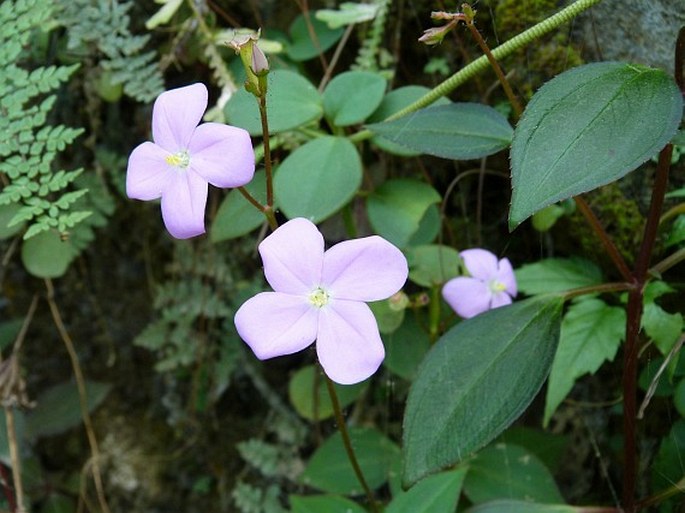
column 175, row 115
column 222, row 154
column 467, row 296
column 500, row 299
column 506, row 276
column 292, row 257
column 367, row 269
column 275, row 324
column 349, row 346
column 147, row 173
column 480, row 263
column 183, row 204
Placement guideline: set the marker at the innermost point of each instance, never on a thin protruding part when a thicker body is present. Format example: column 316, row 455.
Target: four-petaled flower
column 492, row 284
column 185, row 157
column 321, row 296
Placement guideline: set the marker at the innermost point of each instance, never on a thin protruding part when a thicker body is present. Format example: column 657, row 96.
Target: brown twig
column 83, row 397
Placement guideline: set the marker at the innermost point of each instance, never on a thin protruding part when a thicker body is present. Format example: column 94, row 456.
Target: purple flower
column 321, row 296
column 492, row 284
column 185, row 157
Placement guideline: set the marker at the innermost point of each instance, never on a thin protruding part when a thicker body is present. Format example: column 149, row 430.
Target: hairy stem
column 523, row 39
column 515, row 104
column 83, row 397
column 608, row 244
column 634, row 313
column 342, row 427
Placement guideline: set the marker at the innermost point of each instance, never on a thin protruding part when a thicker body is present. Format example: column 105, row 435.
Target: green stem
column 668, row 262
column 342, row 427
column 598, row 289
column 434, row 314
column 267, row 150
column 482, row 63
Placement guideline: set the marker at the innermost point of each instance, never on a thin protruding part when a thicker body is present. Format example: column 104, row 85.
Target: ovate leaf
column 397, row 207
column 509, row 506
column 557, row 275
column 46, row 255
column 317, row 179
column 313, row 402
column 352, row 96
column 459, row 131
column 330, row 470
column 588, row 127
column 237, row 216
column 327, row 503
column 59, row 409
column 590, row 335
column 478, row 378
column 348, row 14
column 432, row 264
column 509, row 471
column 439, row 492
column 292, row 101
column 303, row 47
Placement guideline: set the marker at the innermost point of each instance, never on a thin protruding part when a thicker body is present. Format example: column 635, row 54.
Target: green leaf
column 432, row 264
column 544, row 219
column 459, row 131
column 318, row 179
column 590, row 335
column 303, row 395
column 505, row 506
column 58, row 503
column 662, row 327
column 237, row 216
column 478, row 378
column 292, row 101
column 330, row 470
column 7, row 212
column 547, row 446
column 679, row 397
column 429, row 227
column 505, row 471
column 164, row 14
column 387, row 315
column 393, row 102
column 405, row 348
column 352, row 96
column 46, row 255
column 667, row 468
column 397, row 207
column 302, row 47
column 586, row 128
column 557, row 275
column 58, row 408
column 348, row 14
column 676, row 234
column 320, row 503
column 437, row 493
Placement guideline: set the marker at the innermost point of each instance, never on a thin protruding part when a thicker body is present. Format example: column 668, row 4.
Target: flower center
column 319, row 297
column 180, row 159
column 497, row 286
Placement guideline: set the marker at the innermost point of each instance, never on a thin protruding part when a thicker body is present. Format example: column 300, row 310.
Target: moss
column 552, row 55
column 621, row 218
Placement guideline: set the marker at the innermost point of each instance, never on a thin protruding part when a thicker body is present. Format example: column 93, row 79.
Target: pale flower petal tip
column 492, row 284
column 185, row 157
column 329, row 289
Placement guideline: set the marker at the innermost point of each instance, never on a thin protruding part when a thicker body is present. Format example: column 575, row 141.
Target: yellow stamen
column 180, row 159
column 318, row 297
